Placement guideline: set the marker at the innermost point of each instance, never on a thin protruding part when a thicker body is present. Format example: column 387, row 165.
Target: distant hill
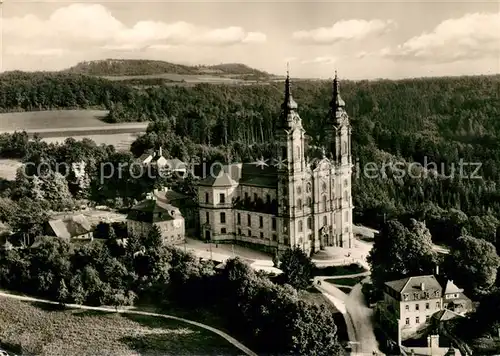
column 142, row 67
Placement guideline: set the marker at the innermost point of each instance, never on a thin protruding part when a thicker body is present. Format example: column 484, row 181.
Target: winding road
column 245, row 350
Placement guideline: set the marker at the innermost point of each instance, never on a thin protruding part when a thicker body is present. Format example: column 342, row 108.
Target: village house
column 172, row 165
column 184, row 203
column 410, row 303
column 69, row 227
column 152, row 211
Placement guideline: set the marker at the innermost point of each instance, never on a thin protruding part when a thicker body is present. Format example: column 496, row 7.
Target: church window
column 223, row 230
column 308, row 188
column 325, row 221
column 346, row 216
column 345, row 147
column 346, row 195
column 309, row 201
column 298, row 152
column 239, row 231
column 309, row 223
column 207, row 216
column 275, row 237
column 323, row 187
column 299, row 190
column 346, row 183
column 222, row 218
column 249, row 233
column 300, row 226
column 246, row 195
column 324, row 202
column 222, row 198
column 238, row 219
column 261, row 235
column 268, row 199
column 207, row 198
column 255, row 196
column 249, row 220
column 299, row 204
column 274, row 223
column 261, row 222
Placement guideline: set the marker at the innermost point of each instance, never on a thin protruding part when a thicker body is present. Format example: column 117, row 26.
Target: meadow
column 187, row 78
column 52, row 119
column 47, row 330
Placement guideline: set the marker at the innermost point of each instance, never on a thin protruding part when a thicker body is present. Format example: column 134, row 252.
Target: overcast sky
column 360, row 39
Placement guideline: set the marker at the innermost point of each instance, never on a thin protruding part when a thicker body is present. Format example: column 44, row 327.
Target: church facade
column 292, row 202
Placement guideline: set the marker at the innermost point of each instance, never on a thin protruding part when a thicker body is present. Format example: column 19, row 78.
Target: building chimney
column 160, row 152
column 437, row 270
column 422, row 286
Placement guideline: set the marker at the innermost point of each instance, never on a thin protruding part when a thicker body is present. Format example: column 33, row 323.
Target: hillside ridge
column 135, row 67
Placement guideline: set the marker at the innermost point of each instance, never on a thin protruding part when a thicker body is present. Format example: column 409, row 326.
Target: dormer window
column 405, row 296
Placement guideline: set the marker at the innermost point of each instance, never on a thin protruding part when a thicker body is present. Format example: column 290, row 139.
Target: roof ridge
column 407, row 281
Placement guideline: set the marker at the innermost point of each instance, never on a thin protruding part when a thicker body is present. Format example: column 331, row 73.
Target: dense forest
column 444, row 121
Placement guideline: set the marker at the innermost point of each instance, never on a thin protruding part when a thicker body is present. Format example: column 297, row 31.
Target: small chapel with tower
column 293, row 202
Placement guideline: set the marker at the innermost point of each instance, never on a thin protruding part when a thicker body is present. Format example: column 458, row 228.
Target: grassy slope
column 42, row 331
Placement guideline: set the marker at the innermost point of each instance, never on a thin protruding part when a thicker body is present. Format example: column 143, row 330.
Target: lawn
column 45, row 330
column 353, row 268
column 346, row 290
column 345, row 281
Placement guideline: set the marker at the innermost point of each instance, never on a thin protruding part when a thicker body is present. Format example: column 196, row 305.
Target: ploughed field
column 28, row 328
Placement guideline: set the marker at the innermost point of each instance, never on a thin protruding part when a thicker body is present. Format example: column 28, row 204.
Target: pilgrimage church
column 289, row 202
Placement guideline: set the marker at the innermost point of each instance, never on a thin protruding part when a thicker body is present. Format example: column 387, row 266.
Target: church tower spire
column 289, row 106
column 339, row 130
column 337, row 104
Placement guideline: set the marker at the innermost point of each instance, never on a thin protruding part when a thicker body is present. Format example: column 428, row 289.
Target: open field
column 57, row 125
column 121, row 141
column 188, row 78
column 52, row 119
column 45, row 330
